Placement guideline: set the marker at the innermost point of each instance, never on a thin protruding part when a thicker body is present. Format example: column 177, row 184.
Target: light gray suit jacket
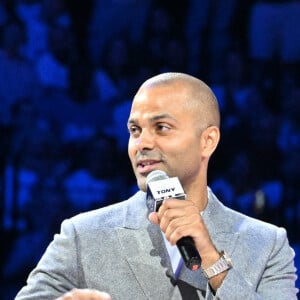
column 117, row 250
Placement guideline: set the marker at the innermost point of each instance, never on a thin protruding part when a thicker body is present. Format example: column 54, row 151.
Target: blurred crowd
column 68, row 72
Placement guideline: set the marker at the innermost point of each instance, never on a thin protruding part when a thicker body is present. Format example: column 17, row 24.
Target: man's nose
column 144, row 141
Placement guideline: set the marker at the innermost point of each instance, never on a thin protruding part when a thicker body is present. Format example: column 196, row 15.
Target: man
column 123, row 252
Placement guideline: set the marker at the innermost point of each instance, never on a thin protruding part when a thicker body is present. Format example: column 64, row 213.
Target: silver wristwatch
column 222, row 264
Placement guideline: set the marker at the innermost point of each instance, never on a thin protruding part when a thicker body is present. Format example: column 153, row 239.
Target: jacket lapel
column 147, row 259
column 144, row 249
column 220, row 225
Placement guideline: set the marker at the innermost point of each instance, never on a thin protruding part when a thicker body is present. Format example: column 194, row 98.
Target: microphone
column 160, row 187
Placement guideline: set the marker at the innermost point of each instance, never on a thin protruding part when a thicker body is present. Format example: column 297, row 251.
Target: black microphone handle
column 189, row 253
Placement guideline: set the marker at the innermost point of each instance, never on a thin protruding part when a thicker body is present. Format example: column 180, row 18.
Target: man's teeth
column 146, row 164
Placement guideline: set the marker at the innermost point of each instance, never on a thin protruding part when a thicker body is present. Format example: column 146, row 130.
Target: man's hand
column 177, row 219
column 84, row 294
column 180, row 218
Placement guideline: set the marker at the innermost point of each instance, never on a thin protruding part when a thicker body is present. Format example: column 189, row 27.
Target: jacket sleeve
column 276, row 278
column 58, row 270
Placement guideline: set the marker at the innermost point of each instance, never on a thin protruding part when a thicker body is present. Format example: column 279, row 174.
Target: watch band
column 221, row 265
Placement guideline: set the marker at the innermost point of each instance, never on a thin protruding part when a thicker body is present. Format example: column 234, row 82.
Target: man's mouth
column 146, row 166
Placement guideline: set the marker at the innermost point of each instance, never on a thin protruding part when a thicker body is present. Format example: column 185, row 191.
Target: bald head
column 199, row 97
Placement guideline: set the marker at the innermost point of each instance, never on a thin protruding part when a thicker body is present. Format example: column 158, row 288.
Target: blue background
column 68, row 72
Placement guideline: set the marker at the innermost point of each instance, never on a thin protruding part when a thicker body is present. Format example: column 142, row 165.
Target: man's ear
column 209, row 140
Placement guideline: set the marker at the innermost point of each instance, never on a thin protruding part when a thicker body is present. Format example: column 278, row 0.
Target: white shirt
column 175, row 257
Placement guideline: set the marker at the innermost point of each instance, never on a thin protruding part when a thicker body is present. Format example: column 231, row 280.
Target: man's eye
column 163, row 127
column 133, row 129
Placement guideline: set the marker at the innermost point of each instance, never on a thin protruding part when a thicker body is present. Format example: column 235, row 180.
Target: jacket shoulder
column 115, row 215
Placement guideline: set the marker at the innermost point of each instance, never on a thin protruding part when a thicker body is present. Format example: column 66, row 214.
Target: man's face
column 163, row 134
